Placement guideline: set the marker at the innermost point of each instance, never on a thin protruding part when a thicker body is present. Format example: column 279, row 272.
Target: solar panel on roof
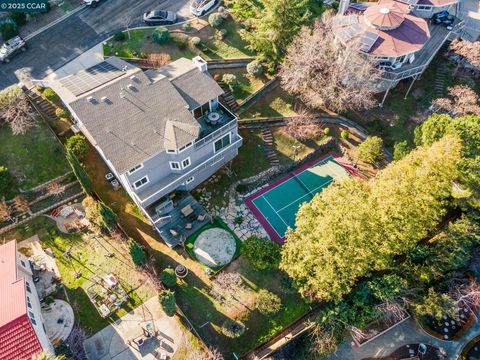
column 91, row 78
column 368, row 39
column 345, row 20
column 349, row 32
column 409, row 2
column 359, row 6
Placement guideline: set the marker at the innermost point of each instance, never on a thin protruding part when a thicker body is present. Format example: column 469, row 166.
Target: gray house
column 159, row 131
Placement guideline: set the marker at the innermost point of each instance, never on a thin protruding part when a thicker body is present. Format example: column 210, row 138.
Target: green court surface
column 279, row 205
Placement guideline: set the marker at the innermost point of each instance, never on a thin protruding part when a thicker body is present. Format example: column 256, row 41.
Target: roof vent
column 105, row 100
column 131, row 87
column 134, row 78
column 91, row 100
column 125, row 68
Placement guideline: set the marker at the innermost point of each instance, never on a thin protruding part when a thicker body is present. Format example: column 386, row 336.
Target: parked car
column 11, row 48
column 159, row 17
column 443, row 18
column 200, row 7
column 92, row 3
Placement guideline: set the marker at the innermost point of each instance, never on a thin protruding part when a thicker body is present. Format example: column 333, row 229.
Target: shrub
column 196, row 41
column 268, row 303
column 168, row 277
column 344, row 134
column 287, row 285
column 62, row 113
column 241, row 188
column 254, row 68
column 8, row 28
column 187, row 26
column 167, row 300
column 261, row 254
column 136, row 252
column 215, row 20
column 400, row 150
column 181, row 40
column 77, row 145
column 233, row 329
column 326, row 131
column 370, row 151
column 222, row 33
column 230, row 80
column 50, row 95
column 19, row 18
column 38, row 89
column 6, row 180
column 223, row 12
column 99, row 214
column 160, row 35
column 119, row 36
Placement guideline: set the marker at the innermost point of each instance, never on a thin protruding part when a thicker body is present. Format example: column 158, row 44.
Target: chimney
column 342, row 8
column 200, row 64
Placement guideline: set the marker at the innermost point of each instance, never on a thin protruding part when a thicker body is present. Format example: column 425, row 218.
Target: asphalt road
column 63, row 42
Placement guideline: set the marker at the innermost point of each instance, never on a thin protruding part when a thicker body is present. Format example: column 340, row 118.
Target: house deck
column 177, row 227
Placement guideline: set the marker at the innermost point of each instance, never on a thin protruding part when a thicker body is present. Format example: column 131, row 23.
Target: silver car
column 159, row 17
column 11, row 48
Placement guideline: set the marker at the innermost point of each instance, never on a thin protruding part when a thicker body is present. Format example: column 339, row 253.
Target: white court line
column 293, row 202
column 266, row 217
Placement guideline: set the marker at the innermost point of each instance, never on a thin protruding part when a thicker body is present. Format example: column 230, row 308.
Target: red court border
column 262, row 220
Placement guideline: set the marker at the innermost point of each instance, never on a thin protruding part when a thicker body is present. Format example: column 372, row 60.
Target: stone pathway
column 405, row 333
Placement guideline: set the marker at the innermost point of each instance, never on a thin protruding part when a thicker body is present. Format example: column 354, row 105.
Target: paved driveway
column 65, row 41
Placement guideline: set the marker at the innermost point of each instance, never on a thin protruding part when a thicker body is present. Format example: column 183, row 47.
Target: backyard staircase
column 41, row 104
column 228, row 97
column 441, row 73
column 268, row 146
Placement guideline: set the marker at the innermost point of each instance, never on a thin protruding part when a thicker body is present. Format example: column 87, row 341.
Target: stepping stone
column 445, row 330
column 445, row 337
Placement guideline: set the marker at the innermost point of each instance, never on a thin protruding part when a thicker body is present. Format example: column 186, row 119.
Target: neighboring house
column 158, row 131
column 396, row 35
column 22, row 330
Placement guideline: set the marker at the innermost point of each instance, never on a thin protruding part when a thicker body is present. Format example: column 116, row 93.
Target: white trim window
column 185, row 147
column 424, row 7
column 186, row 163
column 174, row 165
column 132, row 170
column 171, row 151
column 189, row 180
column 141, row 182
column 221, row 143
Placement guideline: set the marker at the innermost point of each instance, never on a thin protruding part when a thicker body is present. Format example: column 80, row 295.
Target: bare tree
column 304, row 126
column 5, row 211
column 21, row 204
column 462, row 100
column 126, row 20
column 392, row 311
column 195, row 352
column 225, row 286
column 19, row 114
column 55, row 188
column 468, row 51
column 327, row 74
column 323, row 339
column 75, row 342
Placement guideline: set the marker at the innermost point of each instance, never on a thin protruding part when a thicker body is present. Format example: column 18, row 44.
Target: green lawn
column 33, row 158
column 276, row 103
column 245, row 84
column 290, row 149
column 208, row 316
column 89, row 258
column 140, row 43
column 250, row 161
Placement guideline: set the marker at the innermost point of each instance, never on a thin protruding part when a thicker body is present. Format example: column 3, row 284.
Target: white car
column 11, row 48
column 200, row 7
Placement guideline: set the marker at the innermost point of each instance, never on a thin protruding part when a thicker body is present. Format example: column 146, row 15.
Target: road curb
column 53, row 23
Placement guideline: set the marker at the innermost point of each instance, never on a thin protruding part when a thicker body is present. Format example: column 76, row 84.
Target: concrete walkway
column 116, row 341
column 408, row 332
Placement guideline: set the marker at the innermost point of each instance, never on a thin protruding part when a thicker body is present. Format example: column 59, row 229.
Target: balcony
column 223, row 116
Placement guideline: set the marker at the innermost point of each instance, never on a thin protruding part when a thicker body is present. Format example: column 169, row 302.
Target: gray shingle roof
column 133, row 119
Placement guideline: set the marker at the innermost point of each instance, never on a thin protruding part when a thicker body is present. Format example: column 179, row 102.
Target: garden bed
column 449, row 329
column 140, row 43
column 471, row 351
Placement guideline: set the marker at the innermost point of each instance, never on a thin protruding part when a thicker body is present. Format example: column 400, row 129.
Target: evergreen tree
column 80, row 173
column 355, row 227
column 136, row 252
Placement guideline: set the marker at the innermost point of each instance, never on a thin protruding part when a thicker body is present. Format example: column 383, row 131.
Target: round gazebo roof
column 385, row 16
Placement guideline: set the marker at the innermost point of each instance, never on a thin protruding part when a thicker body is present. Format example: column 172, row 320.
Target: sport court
column 276, row 206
